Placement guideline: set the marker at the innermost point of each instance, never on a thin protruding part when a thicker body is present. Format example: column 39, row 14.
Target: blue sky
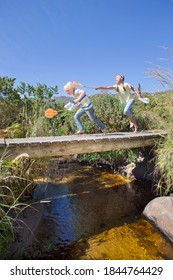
column 89, row 41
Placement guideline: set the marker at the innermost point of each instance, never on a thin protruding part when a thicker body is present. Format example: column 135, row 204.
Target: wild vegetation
column 22, row 115
column 16, row 185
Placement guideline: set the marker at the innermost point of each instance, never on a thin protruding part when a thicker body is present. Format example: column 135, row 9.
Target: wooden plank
column 76, row 144
column 67, row 138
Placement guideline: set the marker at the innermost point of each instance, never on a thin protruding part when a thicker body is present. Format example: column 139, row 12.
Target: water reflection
column 95, row 214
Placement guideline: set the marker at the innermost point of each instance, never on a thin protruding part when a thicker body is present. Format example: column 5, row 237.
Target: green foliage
column 16, row 185
column 16, row 130
column 164, row 166
column 6, row 228
column 8, row 91
column 110, row 111
column 113, row 158
column 17, row 175
column 39, row 92
column 35, row 100
column 9, row 113
column 6, row 85
column 157, row 114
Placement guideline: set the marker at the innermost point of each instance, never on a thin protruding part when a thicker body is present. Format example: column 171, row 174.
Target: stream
column 94, row 214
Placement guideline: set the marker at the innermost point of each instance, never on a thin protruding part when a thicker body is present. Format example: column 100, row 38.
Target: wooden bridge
column 59, row 146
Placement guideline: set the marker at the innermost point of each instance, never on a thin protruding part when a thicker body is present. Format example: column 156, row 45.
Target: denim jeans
column 91, row 114
column 128, row 110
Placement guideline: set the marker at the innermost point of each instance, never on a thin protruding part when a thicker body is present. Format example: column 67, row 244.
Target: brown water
column 96, row 214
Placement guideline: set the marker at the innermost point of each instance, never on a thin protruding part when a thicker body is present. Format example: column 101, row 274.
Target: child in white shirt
column 123, row 90
column 85, row 107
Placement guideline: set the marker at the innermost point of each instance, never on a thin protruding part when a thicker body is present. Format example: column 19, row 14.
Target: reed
column 163, row 119
column 15, row 188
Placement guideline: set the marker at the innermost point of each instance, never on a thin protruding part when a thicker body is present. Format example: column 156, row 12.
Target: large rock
column 159, row 212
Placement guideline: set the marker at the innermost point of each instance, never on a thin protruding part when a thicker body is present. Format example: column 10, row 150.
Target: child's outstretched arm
column 105, row 87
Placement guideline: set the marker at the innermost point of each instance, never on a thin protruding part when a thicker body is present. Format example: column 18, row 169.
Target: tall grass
column 163, row 114
column 164, row 149
column 160, row 116
column 164, row 166
column 10, row 209
column 15, row 188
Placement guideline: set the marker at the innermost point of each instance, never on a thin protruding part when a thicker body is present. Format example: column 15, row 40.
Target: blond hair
column 68, row 86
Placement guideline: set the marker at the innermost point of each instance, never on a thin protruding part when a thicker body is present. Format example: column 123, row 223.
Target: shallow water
column 96, row 214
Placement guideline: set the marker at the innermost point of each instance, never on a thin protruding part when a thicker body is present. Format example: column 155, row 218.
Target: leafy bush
column 114, row 159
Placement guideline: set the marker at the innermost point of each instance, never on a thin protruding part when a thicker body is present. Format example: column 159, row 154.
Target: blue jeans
column 128, row 110
column 91, row 114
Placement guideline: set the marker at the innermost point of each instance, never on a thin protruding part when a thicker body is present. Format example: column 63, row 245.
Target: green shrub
column 114, row 159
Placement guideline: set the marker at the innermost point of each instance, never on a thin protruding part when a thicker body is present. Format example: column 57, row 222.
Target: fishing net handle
column 81, row 85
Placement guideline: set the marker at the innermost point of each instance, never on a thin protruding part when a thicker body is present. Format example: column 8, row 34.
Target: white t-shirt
column 123, row 91
column 85, row 101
